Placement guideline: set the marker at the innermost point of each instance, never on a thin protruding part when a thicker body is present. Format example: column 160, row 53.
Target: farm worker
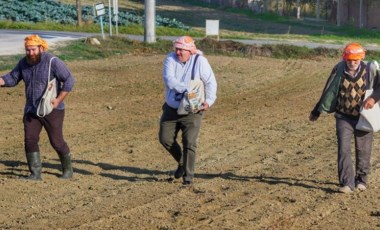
column 177, row 71
column 344, row 94
column 33, row 69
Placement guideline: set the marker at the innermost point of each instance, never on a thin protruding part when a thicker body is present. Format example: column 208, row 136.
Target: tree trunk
column 361, row 14
column 318, row 10
column 79, row 13
column 298, row 9
column 265, row 6
column 338, row 13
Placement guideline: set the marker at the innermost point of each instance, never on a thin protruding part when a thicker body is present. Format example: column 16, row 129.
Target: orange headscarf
column 185, row 43
column 353, row 51
column 35, row 40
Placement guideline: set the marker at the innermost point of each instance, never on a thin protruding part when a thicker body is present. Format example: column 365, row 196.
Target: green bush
column 52, row 11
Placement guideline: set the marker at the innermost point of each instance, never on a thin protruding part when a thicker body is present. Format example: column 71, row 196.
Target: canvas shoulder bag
column 369, row 118
column 193, row 99
column 45, row 106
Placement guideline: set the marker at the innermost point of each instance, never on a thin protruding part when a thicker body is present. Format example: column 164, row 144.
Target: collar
column 358, row 70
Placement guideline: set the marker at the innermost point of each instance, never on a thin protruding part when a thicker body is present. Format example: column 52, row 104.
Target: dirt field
column 261, row 164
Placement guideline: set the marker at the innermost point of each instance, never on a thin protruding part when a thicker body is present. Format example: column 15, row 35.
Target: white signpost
column 212, row 28
column 109, row 16
column 100, row 11
column 116, row 15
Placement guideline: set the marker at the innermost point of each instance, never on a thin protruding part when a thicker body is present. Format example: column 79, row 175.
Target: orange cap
column 353, row 51
column 35, row 40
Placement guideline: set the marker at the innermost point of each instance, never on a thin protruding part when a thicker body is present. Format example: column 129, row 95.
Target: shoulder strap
column 192, row 71
column 371, row 69
column 50, row 68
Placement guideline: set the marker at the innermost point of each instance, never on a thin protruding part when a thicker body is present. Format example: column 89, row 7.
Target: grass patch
column 231, row 48
column 91, row 28
column 95, row 28
column 9, row 62
column 81, row 50
column 328, row 33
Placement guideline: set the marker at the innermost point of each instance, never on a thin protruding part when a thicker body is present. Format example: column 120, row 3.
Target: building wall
column 373, row 15
column 370, row 17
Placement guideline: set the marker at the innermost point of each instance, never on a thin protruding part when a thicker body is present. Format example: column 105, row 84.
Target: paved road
column 11, row 41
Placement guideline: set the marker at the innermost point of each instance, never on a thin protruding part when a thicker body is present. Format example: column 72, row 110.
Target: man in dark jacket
column 34, row 69
column 344, row 94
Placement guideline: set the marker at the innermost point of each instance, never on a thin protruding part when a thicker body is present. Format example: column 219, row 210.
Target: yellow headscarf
column 35, row 40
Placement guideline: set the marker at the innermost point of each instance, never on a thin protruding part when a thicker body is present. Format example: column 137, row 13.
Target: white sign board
column 99, row 8
column 212, row 27
column 115, row 6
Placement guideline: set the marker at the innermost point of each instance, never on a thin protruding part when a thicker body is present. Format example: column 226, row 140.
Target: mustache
column 33, row 59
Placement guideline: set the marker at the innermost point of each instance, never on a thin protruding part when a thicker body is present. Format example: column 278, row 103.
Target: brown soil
column 261, row 164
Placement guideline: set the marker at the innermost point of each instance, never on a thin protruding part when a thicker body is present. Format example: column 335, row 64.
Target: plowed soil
column 260, row 165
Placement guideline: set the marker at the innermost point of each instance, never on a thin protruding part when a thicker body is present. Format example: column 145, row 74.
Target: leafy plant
column 53, row 11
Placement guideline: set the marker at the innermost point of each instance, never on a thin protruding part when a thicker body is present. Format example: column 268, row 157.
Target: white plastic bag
column 45, row 106
column 369, row 119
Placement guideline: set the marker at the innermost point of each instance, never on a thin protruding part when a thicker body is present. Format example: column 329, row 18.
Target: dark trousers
column 53, row 124
column 170, row 125
column 345, row 129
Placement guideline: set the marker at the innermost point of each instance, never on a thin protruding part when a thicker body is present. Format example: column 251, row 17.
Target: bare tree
column 318, row 10
column 338, row 12
column 79, row 13
column 298, row 9
column 361, row 14
column 280, row 7
column 265, row 6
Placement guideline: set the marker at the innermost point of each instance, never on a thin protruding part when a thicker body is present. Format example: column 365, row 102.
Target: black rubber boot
column 67, row 169
column 179, row 172
column 35, row 166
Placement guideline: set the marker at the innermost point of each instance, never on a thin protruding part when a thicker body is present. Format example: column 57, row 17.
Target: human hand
column 369, row 103
column 55, row 102
column 313, row 117
column 205, row 106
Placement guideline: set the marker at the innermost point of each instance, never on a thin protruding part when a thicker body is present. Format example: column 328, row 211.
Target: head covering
column 185, row 43
column 353, row 51
column 35, row 40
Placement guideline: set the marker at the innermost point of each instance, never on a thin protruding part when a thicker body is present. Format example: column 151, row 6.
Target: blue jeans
column 345, row 129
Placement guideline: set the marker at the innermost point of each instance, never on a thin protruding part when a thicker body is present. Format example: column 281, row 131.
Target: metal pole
column 101, row 25
column 116, row 15
column 109, row 16
column 150, row 21
column 116, row 25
